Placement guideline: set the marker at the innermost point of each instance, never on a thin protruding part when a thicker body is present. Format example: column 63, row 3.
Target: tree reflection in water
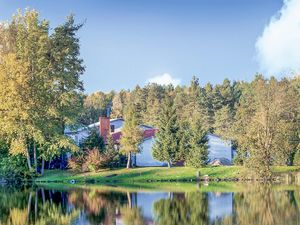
column 256, row 205
column 24, row 206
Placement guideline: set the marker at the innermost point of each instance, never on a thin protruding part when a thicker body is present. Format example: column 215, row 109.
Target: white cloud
column 164, row 79
column 278, row 48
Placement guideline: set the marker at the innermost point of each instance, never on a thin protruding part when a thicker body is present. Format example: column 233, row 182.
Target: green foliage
column 119, row 102
column 94, row 140
column 197, row 156
column 112, row 153
column 296, row 161
column 223, row 122
column 95, row 105
column 132, row 216
column 93, row 158
column 265, row 127
column 11, row 167
column 77, row 161
column 40, row 88
column 182, row 209
column 166, row 146
column 132, row 135
column 14, row 167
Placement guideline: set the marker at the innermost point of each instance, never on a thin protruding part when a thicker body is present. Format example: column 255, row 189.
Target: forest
column 41, row 94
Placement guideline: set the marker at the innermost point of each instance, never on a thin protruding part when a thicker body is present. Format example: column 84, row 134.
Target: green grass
column 167, row 187
column 152, row 173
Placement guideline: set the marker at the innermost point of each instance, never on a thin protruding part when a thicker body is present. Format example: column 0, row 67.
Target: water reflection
column 104, row 205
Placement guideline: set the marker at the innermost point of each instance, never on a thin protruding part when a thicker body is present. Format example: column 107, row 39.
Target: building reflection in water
column 256, row 205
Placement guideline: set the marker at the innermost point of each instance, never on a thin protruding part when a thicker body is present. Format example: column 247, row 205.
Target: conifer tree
column 223, row 122
column 197, row 156
column 95, row 105
column 93, row 141
column 119, row 102
column 67, row 67
column 111, row 152
column 185, row 134
column 166, row 146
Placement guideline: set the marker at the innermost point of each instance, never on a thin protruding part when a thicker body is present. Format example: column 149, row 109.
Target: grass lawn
column 165, row 186
column 153, row 173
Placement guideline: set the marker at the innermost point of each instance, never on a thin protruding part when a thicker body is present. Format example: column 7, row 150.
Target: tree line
column 260, row 118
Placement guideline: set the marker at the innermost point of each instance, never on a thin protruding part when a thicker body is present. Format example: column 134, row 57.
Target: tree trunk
column 49, row 164
column 43, row 166
column 43, row 196
column 62, row 160
column 35, row 158
column 28, row 160
column 169, row 165
column 129, row 160
column 36, row 205
column 29, row 206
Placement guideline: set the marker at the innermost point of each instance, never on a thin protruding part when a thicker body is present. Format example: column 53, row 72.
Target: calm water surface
column 185, row 205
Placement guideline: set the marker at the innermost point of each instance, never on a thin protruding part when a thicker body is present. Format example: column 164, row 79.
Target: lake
column 155, row 203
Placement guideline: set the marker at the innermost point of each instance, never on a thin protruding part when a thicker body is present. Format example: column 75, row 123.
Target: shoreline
column 167, row 175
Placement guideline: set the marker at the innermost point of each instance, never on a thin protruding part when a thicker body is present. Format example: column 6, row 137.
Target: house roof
column 146, row 134
column 148, row 131
column 69, row 130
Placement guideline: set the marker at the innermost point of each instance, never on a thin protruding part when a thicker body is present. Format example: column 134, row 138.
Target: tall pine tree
column 166, row 147
column 197, row 156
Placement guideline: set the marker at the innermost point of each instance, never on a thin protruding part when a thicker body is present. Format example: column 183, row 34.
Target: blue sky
column 127, row 42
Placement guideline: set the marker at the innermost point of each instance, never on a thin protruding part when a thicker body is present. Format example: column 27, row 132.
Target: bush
column 93, row 160
column 14, row 167
column 76, row 162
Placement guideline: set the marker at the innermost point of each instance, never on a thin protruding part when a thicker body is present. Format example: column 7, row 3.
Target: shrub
column 76, row 162
column 14, row 167
column 95, row 160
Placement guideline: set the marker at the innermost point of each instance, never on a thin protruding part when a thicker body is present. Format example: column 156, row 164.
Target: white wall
column 79, row 136
column 218, row 148
column 118, row 123
column 145, row 158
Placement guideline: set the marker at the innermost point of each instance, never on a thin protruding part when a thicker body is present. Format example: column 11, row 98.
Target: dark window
column 112, row 128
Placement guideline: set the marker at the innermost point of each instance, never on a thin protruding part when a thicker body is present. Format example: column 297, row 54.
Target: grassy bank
column 166, row 186
column 154, row 174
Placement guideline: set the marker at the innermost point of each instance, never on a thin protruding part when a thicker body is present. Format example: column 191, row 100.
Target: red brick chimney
column 104, row 126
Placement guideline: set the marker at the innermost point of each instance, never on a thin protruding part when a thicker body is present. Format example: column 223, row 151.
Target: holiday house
column 220, row 151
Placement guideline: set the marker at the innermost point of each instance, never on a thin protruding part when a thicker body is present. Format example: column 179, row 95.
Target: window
column 112, row 128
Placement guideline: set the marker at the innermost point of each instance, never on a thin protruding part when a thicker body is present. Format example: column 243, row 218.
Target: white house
column 220, row 151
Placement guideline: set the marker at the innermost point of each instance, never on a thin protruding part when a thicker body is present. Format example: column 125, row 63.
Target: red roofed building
column 220, row 150
column 108, row 126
